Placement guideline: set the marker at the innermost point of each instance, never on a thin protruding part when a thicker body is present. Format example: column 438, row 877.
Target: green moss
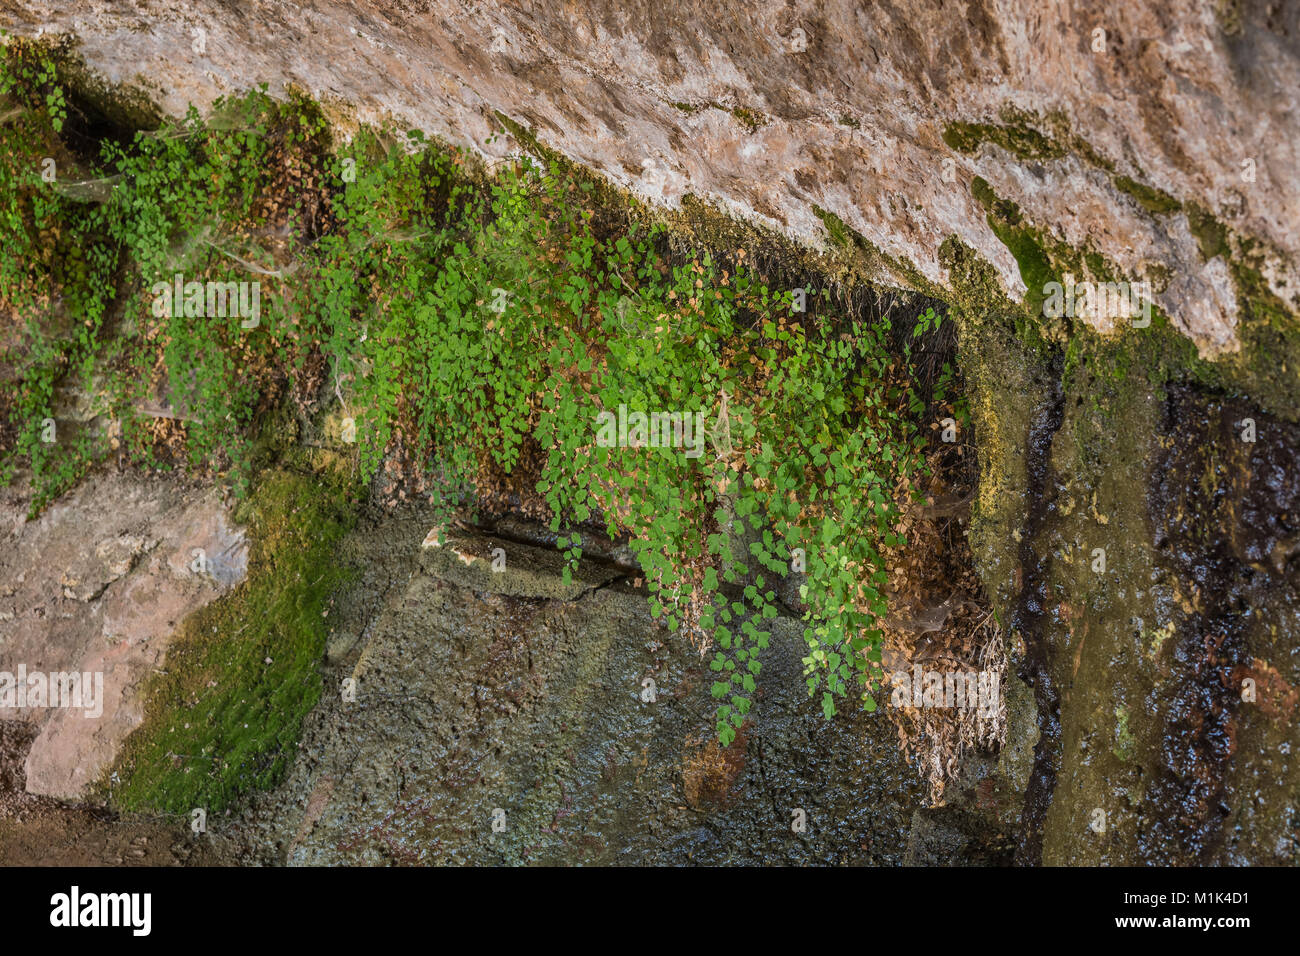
column 1020, row 135
column 1062, row 130
column 1228, row 15
column 1020, row 139
column 1035, row 269
column 983, row 192
column 1264, row 368
column 980, row 302
column 1097, row 265
column 751, row 120
column 1267, row 367
column 526, row 137
column 1125, row 743
column 1025, row 244
column 840, row 233
column 224, row 716
column 858, row 253
column 1155, row 201
column 1003, row 209
column 863, row 260
column 598, row 187
column 1211, row 234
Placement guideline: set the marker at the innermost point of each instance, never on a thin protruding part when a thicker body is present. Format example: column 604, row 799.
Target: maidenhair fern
column 469, row 317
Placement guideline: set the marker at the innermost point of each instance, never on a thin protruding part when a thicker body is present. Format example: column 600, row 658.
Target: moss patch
column 1124, row 740
column 1155, row 201
column 751, row 120
column 864, row 260
column 1021, row 139
column 1211, row 235
column 1021, row 133
column 1027, row 245
column 224, row 716
column 1263, row 368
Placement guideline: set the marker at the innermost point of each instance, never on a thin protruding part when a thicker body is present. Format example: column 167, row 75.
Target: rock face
column 1116, row 130
column 96, row 585
column 1141, row 540
column 579, row 726
column 1136, row 141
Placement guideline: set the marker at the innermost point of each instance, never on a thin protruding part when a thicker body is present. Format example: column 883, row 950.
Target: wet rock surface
column 1154, row 583
column 585, row 723
column 1156, row 721
column 1225, row 511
